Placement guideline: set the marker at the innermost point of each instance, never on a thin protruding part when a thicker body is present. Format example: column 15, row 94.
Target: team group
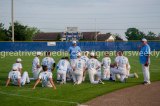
column 75, row 69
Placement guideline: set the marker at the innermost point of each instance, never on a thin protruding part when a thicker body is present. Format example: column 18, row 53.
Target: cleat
column 147, row 83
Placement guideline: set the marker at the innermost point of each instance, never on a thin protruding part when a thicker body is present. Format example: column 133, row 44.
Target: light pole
column 12, row 19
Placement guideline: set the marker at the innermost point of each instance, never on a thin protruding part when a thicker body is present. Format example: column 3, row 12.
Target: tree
column 58, row 37
column 3, row 33
column 151, row 36
column 134, row 34
column 23, row 32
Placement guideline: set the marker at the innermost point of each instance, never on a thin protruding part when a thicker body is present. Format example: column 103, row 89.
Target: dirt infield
column 139, row 95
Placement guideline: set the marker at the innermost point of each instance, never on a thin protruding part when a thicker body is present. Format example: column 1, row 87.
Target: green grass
column 65, row 95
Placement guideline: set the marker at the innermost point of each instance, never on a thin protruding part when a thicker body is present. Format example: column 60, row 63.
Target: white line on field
column 45, row 99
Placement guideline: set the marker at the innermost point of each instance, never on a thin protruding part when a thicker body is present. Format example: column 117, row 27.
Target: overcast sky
column 89, row 15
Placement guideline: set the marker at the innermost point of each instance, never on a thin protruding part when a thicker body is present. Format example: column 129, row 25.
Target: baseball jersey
column 85, row 58
column 45, row 76
column 106, row 62
column 73, row 51
column 99, row 64
column 122, row 62
column 79, row 64
column 18, row 65
column 35, row 63
column 92, row 64
column 63, row 65
column 14, row 76
column 143, row 55
column 48, row 61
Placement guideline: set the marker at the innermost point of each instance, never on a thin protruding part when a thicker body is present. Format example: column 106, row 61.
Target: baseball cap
column 74, row 42
column 78, row 54
column 92, row 54
column 144, row 40
column 19, row 59
column 38, row 53
column 14, row 68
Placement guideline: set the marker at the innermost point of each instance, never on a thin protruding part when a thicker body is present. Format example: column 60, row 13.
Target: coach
column 73, row 50
column 144, row 57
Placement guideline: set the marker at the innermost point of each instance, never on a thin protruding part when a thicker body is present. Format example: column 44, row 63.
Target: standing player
column 49, row 62
column 106, row 61
column 122, row 65
column 15, row 77
column 62, row 67
column 73, row 50
column 36, row 67
column 18, row 64
column 144, row 56
column 85, row 58
column 93, row 66
column 78, row 69
column 46, row 77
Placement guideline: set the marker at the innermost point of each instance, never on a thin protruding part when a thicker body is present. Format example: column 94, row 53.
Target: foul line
column 45, row 99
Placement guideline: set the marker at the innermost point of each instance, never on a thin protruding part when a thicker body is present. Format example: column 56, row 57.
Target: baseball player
column 144, row 57
column 106, row 61
column 18, row 64
column 93, row 66
column 49, row 62
column 15, row 77
column 98, row 76
column 36, row 67
column 46, row 77
column 78, row 68
column 128, row 74
column 62, row 67
column 122, row 65
column 85, row 58
column 73, row 50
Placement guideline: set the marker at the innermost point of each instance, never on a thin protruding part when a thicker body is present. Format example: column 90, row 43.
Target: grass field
column 65, row 95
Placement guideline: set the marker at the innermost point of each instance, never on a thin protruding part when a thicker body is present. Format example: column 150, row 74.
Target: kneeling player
column 106, row 61
column 36, row 68
column 122, row 65
column 46, row 77
column 15, row 77
column 78, row 69
column 93, row 66
column 62, row 67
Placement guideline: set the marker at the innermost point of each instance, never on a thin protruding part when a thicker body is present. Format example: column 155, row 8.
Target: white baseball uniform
column 15, row 75
column 45, row 76
column 122, row 61
column 99, row 72
column 79, row 66
column 62, row 67
column 48, row 61
column 36, row 70
column 92, row 65
column 85, row 58
column 18, row 65
column 106, row 68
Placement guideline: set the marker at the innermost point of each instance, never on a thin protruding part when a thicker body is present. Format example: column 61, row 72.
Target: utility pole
column 12, row 18
column 95, row 30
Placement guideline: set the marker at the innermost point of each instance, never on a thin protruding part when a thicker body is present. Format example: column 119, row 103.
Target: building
column 51, row 36
column 105, row 37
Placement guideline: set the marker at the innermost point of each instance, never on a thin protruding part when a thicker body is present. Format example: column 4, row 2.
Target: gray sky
column 89, row 15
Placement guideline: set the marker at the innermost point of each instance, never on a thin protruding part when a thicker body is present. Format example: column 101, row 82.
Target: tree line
column 22, row 32
column 26, row 33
